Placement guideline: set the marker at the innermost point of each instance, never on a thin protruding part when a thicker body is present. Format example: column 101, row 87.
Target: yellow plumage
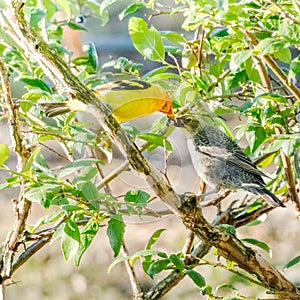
column 128, row 99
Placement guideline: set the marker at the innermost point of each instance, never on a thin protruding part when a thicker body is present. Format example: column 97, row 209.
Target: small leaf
column 154, row 238
column 92, row 54
column 227, row 228
column 35, row 82
column 139, row 254
column 158, row 266
column 270, row 46
column 259, row 244
column 198, row 279
column 148, row 42
column 70, row 239
column 30, row 161
column 238, row 58
column 4, row 153
column 155, row 140
column 115, row 233
column 292, row 262
column 177, row 262
column 130, row 9
column 45, row 220
column 225, row 286
column 87, row 235
column 73, row 167
column 137, row 197
column 89, row 191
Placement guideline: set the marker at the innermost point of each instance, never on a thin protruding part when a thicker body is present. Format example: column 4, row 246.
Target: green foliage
column 210, row 60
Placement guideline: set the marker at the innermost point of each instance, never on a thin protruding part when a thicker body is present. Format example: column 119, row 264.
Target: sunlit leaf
column 147, row 41
column 292, row 262
column 4, row 153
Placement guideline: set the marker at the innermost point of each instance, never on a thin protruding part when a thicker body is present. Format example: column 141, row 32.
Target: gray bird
column 220, row 162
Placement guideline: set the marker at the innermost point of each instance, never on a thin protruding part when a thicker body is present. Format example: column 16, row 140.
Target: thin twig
column 135, row 285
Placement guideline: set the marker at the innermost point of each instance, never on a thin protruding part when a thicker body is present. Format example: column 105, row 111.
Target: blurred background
column 47, row 276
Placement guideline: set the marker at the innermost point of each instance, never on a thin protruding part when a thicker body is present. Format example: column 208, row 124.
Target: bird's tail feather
column 53, row 109
column 268, row 196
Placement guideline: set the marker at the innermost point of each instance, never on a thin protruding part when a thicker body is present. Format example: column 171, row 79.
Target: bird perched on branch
column 219, row 161
column 128, row 99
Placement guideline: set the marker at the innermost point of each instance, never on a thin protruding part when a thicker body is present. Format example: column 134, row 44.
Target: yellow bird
column 128, row 99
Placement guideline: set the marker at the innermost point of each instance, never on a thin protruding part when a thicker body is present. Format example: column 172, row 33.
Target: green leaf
column 292, row 262
column 271, row 96
column 87, row 235
column 198, row 279
column 256, row 137
column 148, row 42
column 225, row 286
column 269, row 46
column 289, row 146
column 154, row 237
column 89, row 191
column 70, row 240
column 115, row 233
column 137, row 197
column 238, row 58
column 173, row 37
column 157, row 267
column 28, row 165
column 37, row 83
column 134, row 257
column 259, row 244
column 284, row 55
column 65, row 5
column 268, row 160
column 177, row 262
column 77, row 165
column 4, row 153
column 45, row 220
column 131, row 9
column 92, row 54
column 155, row 140
column 290, row 31
column 227, row 228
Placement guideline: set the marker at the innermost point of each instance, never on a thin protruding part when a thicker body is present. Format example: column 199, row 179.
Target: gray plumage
column 219, row 161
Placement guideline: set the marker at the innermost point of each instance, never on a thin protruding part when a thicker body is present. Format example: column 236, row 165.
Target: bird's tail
column 53, row 109
column 267, row 195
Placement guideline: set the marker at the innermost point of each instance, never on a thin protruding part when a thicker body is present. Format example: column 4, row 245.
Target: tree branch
column 21, row 206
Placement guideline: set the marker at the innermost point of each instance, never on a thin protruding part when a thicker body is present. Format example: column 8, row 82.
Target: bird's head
column 185, row 118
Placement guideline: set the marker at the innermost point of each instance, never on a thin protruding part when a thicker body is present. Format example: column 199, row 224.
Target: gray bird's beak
column 173, row 122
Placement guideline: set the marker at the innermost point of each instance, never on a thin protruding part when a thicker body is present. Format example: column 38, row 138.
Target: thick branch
column 21, row 205
column 228, row 245
column 233, row 249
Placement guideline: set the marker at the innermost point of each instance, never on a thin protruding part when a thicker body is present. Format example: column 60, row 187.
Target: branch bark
column 21, row 206
column 228, row 245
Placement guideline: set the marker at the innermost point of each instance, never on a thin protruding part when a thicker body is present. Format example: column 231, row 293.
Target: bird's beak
column 173, row 122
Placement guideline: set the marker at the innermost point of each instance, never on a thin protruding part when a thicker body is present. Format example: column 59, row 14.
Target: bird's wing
column 237, row 158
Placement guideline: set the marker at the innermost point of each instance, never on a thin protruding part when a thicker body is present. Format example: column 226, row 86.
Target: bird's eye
column 188, row 120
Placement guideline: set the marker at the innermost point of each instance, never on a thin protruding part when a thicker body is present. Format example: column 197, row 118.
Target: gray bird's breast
column 214, row 171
